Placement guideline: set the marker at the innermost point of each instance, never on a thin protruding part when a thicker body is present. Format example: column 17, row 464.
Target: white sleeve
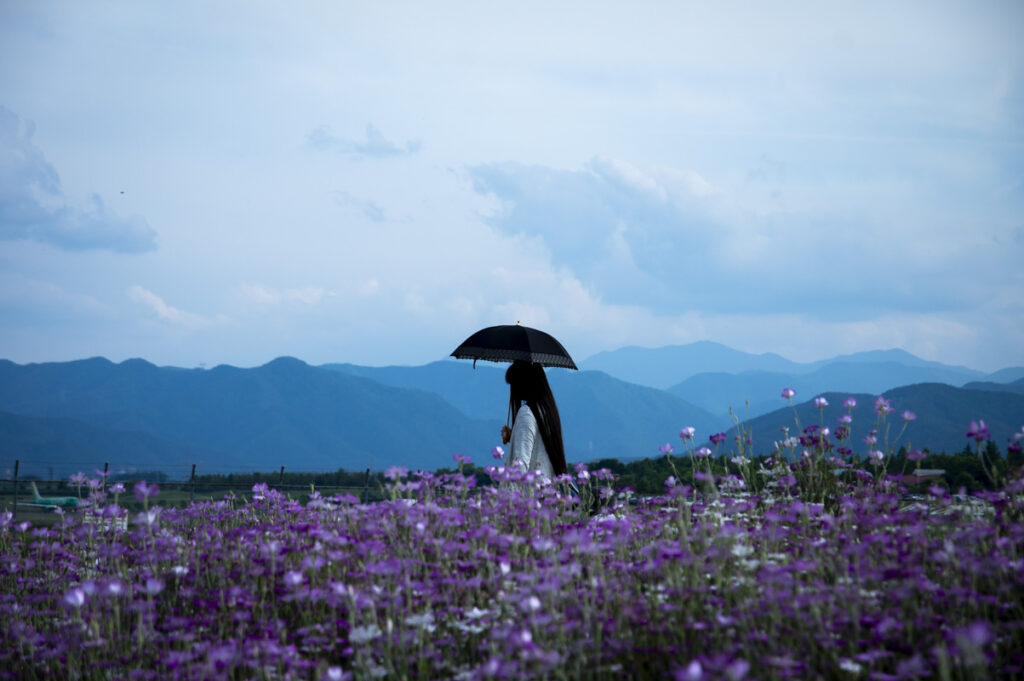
column 524, row 436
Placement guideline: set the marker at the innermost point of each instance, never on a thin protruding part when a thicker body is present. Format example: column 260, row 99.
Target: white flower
column 424, row 621
column 532, row 604
column 75, row 597
column 848, row 665
column 361, row 635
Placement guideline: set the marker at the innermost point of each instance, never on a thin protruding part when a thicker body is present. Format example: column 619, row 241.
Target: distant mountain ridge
column 282, row 413
column 287, row 412
column 717, row 378
column 943, row 415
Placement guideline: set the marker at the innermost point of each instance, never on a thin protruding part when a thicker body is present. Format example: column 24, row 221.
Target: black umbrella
column 509, row 342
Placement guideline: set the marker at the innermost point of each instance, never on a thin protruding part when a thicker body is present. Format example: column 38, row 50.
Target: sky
column 198, row 183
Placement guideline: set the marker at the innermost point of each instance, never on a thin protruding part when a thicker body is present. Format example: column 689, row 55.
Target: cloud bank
column 33, row 204
column 673, row 241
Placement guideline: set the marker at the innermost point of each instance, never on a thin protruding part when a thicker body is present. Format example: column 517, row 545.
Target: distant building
column 922, row 475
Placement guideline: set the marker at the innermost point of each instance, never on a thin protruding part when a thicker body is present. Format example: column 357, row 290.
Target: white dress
column 526, row 448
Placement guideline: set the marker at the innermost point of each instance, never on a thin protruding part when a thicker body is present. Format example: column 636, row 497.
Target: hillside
column 287, row 413
column 943, row 415
column 282, row 413
column 59, row 446
column 601, row 415
column 716, row 392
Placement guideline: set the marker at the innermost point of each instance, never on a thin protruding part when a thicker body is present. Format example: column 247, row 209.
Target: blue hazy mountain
column 717, row 392
column 58, row 446
column 288, row 413
column 944, row 414
column 601, row 415
column 667, row 366
column 991, row 386
column 282, row 413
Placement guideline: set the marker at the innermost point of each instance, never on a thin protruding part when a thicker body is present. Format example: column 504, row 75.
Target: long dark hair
column 527, row 383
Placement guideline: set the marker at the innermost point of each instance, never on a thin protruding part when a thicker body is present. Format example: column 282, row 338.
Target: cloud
column 264, row 295
column 33, row 205
column 370, row 209
column 675, row 242
column 374, row 146
column 623, row 232
column 167, row 312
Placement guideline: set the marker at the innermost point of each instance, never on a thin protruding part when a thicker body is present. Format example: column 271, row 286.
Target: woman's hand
column 506, row 434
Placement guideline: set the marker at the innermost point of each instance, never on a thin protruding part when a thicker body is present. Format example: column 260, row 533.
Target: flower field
column 771, row 574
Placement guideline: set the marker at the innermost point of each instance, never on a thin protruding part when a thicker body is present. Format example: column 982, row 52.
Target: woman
column 536, row 433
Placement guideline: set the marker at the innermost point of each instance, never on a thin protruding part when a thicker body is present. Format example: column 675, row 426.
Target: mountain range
column 718, row 378
column 66, row 416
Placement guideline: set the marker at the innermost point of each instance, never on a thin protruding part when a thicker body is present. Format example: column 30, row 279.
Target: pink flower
column 788, row 393
column 883, row 406
column 820, row 402
column 850, row 403
column 666, row 448
column 978, row 430
column 687, row 432
column 909, row 416
column 703, row 452
column 845, row 419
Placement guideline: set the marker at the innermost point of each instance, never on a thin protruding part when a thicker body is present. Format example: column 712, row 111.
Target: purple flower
column 915, row 455
column 691, row 672
column 144, row 491
column 687, row 432
column 498, row 453
column 703, row 452
column 396, row 473
column 461, row 458
column 876, row 456
column 75, row 597
column 850, row 403
column 820, row 402
column 909, row 416
column 788, row 393
column 882, row 406
column 666, row 448
column 978, row 430
column 717, row 438
column 845, row 419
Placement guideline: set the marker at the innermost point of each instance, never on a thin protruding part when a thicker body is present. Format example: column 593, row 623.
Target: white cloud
column 264, row 295
column 169, row 313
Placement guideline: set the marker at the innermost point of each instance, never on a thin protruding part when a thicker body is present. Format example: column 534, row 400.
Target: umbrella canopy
column 509, row 342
